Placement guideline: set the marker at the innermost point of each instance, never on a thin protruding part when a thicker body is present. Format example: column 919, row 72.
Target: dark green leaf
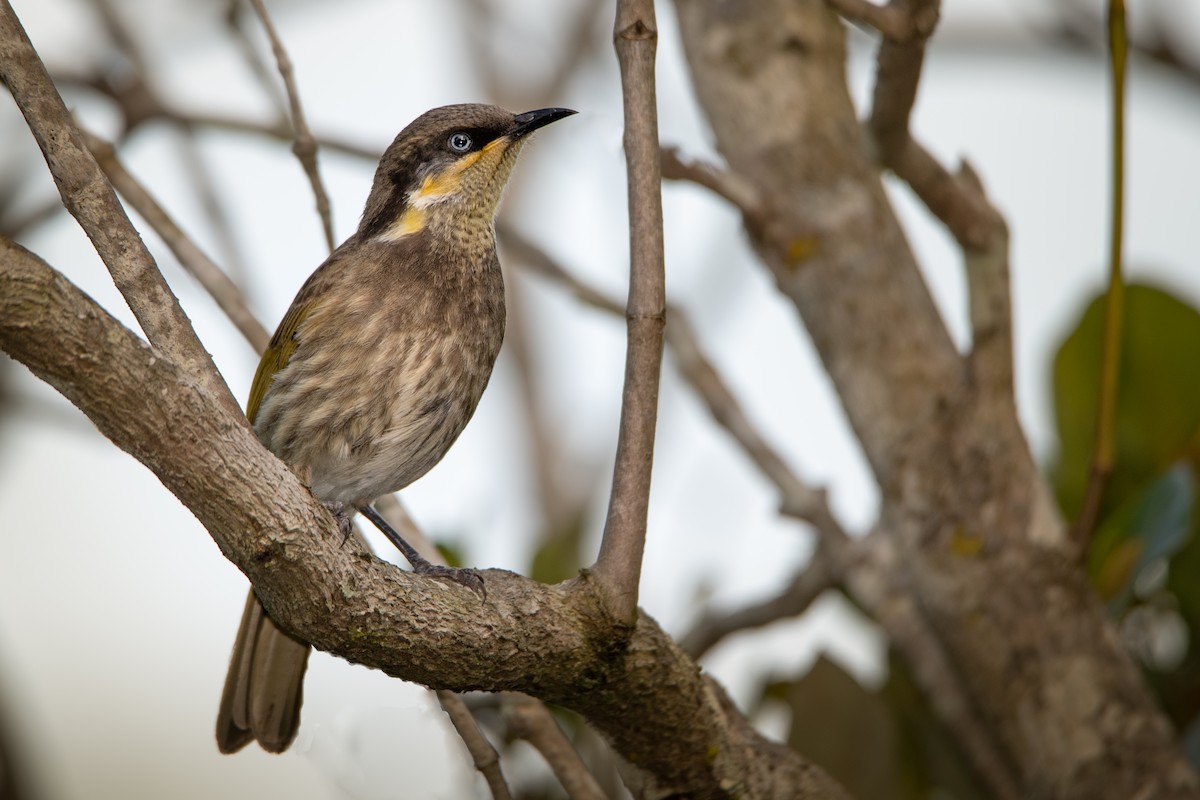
column 1158, row 404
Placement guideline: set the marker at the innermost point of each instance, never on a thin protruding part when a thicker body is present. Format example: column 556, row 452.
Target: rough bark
column 673, row 725
column 982, row 545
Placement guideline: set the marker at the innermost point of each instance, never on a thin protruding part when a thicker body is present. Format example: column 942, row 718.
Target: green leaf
column 1153, row 524
column 1158, row 401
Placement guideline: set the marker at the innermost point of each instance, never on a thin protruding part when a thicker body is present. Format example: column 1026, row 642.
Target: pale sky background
column 116, row 609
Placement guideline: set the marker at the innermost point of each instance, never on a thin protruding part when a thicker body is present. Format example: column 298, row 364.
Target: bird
column 379, row 363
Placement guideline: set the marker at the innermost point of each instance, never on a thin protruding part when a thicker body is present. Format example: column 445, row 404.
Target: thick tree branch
column 618, row 568
column 979, row 545
column 555, row 642
column 90, row 199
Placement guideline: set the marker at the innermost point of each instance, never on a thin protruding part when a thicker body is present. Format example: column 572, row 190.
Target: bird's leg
column 467, row 577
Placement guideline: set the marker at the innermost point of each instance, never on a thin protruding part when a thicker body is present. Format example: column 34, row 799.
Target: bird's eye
column 459, row 142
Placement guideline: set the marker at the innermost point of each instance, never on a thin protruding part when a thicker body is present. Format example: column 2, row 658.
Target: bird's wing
column 276, row 356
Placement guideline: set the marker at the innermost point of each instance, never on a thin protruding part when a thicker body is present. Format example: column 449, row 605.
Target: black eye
column 460, row 142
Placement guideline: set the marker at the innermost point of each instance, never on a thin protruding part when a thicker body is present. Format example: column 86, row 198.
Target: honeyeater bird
column 379, row 363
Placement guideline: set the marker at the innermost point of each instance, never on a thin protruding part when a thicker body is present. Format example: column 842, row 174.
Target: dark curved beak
column 530, row 121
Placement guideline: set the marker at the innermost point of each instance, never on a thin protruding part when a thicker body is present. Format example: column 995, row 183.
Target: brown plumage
column 380, row 361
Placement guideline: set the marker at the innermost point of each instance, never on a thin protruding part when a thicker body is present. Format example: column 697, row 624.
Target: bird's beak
column 530, row 121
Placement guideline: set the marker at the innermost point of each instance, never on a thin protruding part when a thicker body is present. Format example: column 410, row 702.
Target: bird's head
column 447, row 170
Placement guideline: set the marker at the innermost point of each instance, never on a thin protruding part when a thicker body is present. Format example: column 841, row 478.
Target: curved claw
column 470, row 578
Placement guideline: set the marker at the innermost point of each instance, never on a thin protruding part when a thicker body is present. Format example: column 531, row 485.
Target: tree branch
column 957, row 200
column 805, row 588
column 619, row 566
column 91, row 200
column 741, row 194
column 980, row 548
column 530, row 720
column 555, row 642
column 486, row 759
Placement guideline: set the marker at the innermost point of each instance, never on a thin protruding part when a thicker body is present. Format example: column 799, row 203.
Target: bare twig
column 91, row 200
column 305, row 147
column 957, row 200
column 201, row 178
column 487, row 761
column 619, row 566
column 250, row 54
column 806, row 587
column 530, row 720
column 897, row 74
column 194, row 260
column 1103, row 453
column 722, row 182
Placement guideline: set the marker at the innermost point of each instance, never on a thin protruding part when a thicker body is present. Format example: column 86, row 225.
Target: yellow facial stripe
column 442, row 186
column 411, row 221
column 446, row 182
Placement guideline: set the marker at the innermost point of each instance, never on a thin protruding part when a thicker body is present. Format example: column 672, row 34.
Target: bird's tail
column 264, row 687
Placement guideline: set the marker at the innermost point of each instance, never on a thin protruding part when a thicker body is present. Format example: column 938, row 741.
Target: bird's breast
column 384, row 381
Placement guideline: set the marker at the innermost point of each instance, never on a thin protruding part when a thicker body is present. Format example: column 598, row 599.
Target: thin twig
column 91, row 200
column 957, row 200
column 251, row 56
column 793, row 601
column 486, row 759
column 530, row 720
column 618, row 568
column 200, row 177
column 190, row 256
column 722, row 182
column 305, row 147
column 1103, row 453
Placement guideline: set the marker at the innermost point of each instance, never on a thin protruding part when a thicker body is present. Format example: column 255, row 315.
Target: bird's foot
column 470, row 578
column 343, row 513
